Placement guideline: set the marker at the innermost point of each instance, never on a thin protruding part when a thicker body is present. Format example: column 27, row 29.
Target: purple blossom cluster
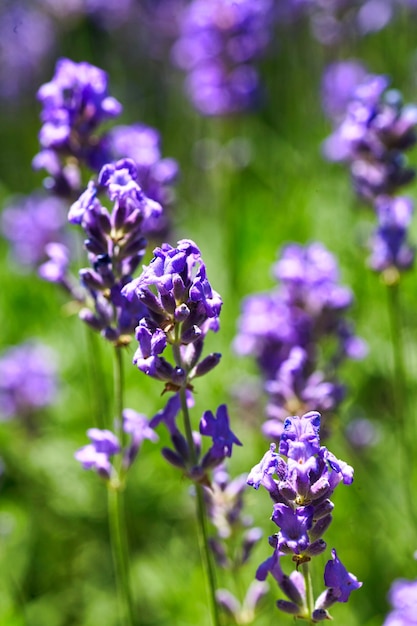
column 182, row 309
column 291, row 331
column 28, row 380
column 372, row 137
column 116, row 244
column 218, row 44
column 306, row 475
column 75, row 104
column 403, row 599
column 104, row 446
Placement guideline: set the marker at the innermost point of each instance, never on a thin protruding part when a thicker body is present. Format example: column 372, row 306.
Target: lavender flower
column 27, row 38
column 28, row 380
column 403, row 598
column 389, row 246
column 303, row 511
column 98, row 455
column 372, row 137
column 285, row 328
column 219, row 41
column 74, row 104
column 116, row 245
column 182, row 306
column 376, row 131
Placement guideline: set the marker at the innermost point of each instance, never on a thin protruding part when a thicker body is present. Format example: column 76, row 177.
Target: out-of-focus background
column 250, row 181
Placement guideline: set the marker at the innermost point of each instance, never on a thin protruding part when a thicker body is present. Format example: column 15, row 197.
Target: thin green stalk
column 118, row 546
column 309, row 589
column 116, row 508
column 97, row 378
column 401, row 409
column 399, row 391
column 206, row 556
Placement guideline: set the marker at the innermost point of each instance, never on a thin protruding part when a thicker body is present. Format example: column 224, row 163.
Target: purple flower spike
column 76, row 100
column 218, row 428
column 339, row 579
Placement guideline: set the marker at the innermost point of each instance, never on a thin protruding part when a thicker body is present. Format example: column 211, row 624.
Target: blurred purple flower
column 28, row 379
column 389, row 246
column 218, row 44
column 27, row 37
column 338, row 83
column 97, row 455
column 403, row 599
column 285, row 329
column 31, row 223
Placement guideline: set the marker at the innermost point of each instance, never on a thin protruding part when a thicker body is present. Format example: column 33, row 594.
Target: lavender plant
column 306, row 477
column 182, row 309
column 300, row 336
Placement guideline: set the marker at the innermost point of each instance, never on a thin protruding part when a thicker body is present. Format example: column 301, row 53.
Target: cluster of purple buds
column 372, row 137
column 182, row 308
column 28, row 380
column 288, row 328
column 403, row 599
column 104, row 447
column 194, row 463
column 115, row 244
column 218, row 44
column 74, row 104
column 301, row 479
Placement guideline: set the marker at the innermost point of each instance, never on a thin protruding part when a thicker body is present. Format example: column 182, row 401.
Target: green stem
column 403, row 423
column 206, row 556
column 394, row 309
column 119, row 552
column 116, row 507
column 309, row 589
column 119, row 393
column 97, row 380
